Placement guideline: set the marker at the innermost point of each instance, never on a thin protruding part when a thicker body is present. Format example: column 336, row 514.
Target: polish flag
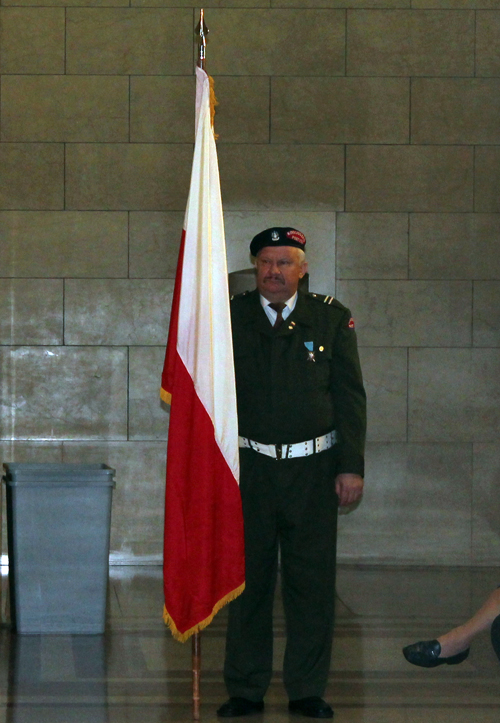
column 204, row 565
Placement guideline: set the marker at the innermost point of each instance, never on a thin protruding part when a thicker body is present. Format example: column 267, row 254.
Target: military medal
column 309, row 345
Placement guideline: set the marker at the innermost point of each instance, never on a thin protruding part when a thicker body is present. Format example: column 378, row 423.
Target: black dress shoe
column 235, row 707
column 495, row 635
column 426, row 654
column 313, row 707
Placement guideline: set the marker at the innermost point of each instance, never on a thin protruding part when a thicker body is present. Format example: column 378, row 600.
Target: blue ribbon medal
column 309, row 345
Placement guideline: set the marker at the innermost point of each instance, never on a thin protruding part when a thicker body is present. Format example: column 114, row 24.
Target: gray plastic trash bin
column 58, row 520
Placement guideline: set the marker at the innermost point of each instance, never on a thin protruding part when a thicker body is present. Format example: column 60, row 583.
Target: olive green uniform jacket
column 300, row 381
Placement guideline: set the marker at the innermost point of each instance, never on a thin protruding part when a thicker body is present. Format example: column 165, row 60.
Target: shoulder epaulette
column 326, row 299
column 322, row 298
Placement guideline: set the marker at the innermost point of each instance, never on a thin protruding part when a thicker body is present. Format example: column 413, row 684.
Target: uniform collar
column 258, row 318
column 289, row 302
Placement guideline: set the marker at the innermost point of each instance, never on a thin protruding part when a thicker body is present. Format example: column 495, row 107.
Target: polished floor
column 136, row 673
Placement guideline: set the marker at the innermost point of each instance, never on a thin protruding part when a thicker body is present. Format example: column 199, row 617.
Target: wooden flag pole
column 196, row 659
column 201, row 34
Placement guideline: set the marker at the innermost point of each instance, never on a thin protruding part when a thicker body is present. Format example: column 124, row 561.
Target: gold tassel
column 165, row 396
column 213, row 103
column 182, row 637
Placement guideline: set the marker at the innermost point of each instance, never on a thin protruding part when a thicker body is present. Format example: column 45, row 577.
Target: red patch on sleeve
column 351, row 323
column 296, row 236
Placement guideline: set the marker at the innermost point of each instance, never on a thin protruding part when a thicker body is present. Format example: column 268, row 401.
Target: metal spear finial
column 201, row 34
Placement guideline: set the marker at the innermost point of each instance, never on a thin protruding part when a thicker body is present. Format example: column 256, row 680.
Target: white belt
column 288, row 451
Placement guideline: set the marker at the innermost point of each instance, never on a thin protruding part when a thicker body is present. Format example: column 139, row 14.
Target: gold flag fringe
column 213, row 103
column 165, row 396
column 182, row 637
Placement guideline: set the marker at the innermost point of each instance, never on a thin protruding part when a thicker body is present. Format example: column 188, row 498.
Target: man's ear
column 303, row 270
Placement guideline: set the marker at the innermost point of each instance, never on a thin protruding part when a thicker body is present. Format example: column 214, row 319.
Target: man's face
column 279, row 269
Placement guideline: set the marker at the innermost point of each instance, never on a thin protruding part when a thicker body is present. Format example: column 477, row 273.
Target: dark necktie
column 278, row 308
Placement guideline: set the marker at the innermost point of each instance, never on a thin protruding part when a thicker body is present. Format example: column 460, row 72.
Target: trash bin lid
column 58, row 473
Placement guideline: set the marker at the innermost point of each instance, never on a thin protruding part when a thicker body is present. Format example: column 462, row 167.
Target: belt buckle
column 279, row 451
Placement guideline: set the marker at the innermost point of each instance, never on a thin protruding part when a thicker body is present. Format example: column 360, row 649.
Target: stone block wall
column 371, row 125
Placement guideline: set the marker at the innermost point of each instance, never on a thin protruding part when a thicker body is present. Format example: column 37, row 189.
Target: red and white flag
column 204, row 565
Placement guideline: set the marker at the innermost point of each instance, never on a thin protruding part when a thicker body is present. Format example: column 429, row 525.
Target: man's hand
column 349, row 488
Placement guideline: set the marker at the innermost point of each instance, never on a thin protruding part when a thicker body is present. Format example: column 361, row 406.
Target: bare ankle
column 453, row 642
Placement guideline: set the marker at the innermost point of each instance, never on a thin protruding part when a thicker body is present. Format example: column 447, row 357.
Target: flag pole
column 196, row 659
column 201, row 35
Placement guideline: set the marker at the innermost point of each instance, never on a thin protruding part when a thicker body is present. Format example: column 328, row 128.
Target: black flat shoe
column 235, row 707
column 495, row 635
column 426, row 654
column 313, row 707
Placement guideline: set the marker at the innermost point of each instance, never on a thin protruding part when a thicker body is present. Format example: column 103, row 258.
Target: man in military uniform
column 302, row 418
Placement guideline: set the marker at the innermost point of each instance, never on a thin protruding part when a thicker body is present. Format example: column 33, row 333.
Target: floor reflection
column 57, row 678
column 136, row 673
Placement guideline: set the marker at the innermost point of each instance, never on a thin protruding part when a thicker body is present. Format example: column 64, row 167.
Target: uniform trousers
column 291, row 506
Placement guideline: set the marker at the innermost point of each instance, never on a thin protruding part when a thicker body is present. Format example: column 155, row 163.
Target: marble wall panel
column 148, row 415
column 440, row 405
column 69, row 3
column 456, row 4
column 405, row 483
column 410, row 42
column 410, row 313
column 65, row 243
column 242, row 115
column 486, row 313
column 136, row 41
column 12, row 451
column 372, row 246
column 488, row 42
column 486, row 504
column 207, row 4
column 51, row 393
column 409, row 178
column 137, row 514
column 253, row 177
column 454, row 395
column 31, row 176
column 272, row 32
column 464, row 110
column 64, row 108
column 487, row 179
column 318, row 228
column 154, row 243
column 162, row 109
column 454, row 246
column 339, row 110
column 117, row 311
column 385, row 375
column 341, row 3
column 31, row 311
column 119, row 176
column 32, row 40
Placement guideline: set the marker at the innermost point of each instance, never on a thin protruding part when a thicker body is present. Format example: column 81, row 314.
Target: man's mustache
column 274, row 277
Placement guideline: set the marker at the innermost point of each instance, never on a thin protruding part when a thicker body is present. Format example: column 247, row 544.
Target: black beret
column 277, row 236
